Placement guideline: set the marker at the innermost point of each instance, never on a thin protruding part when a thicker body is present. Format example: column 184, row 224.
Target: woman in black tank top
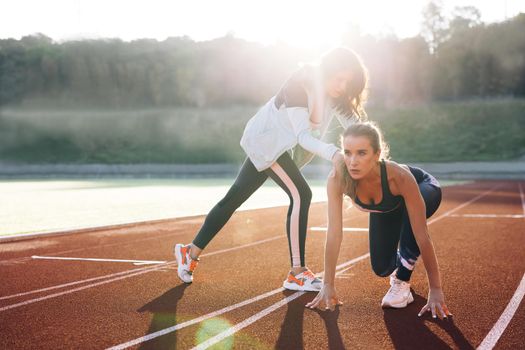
column 388, row 202
column 399, row 199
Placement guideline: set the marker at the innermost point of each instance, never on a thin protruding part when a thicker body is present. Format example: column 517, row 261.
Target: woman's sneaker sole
column 304, row 282
column 295, row 286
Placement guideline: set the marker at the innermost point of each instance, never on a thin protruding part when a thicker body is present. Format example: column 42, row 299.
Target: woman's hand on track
column 436, row 304
column 327, row 298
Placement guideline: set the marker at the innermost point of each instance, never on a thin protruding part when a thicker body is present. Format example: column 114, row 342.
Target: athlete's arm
column 334, row 236
column 299, row 119
column 415, row 205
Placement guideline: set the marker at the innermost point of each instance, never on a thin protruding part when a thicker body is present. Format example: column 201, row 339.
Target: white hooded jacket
column 274, row 130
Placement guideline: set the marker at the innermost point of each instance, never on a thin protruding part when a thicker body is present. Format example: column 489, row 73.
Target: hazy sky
column 298, row 22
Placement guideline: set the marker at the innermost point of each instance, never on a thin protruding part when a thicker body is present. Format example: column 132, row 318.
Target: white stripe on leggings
column 296, row 210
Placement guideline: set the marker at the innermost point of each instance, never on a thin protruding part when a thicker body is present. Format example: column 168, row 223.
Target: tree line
column 453, row 58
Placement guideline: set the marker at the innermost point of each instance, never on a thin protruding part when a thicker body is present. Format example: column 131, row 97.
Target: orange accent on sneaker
column 183, row 251
column 193, row 265
column 291, row 278
column 309, row 274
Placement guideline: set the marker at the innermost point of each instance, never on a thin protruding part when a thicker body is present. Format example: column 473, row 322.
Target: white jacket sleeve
column 300, row 120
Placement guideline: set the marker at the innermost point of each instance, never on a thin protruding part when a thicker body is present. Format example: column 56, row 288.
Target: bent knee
column 302, row 195
column 383, row 270
column 305, row 193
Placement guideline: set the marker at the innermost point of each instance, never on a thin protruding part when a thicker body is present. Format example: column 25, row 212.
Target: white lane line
column 509, row 216
column 129, row 273
column 229, row 308
column 221, row 311
column 232, row 330
column 73, row 283
column 343, row 274
column 345, row 229
column 497, row 330
column 495, row 333
column 140, row 263
column 31, row 301
column 14, row 261
column 194, row 321
column 136, row 262
column 461, row 206
column 121, row 244
column 522, row 198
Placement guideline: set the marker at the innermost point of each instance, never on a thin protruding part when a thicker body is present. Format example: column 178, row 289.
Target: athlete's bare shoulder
column 398, row 174
column 395, row 169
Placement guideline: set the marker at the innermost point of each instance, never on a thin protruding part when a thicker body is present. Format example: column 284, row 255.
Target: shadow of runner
column 164, row 310
column 330, row 319
column 291, row 334
column 408, row 331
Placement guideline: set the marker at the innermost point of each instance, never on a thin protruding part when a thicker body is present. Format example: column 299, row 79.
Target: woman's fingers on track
column 423, row 310
column 314, row 303
column 433, row 309
column 441, row 311
column 446, row 310
column 330, row 305
column 322, row 304
column 436, row 309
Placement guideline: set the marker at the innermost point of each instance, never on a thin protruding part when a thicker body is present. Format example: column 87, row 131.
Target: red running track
column 236, row 300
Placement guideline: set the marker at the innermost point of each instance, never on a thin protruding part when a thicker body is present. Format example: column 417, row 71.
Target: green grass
column 458, row 131
column 461, row 131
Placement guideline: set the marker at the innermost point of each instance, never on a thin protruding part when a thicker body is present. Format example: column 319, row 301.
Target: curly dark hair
column 350, row 103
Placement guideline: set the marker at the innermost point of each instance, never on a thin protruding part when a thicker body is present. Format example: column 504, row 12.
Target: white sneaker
column 399, row 294
column 185, row 264
column 304, row 281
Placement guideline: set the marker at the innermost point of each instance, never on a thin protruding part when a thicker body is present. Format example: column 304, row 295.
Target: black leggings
column 388, row 230
column 286, row 174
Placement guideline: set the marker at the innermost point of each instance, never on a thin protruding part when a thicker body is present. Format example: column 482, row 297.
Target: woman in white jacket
column 307, row 101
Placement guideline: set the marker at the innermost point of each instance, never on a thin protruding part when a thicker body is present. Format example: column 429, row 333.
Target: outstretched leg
column 247, row 182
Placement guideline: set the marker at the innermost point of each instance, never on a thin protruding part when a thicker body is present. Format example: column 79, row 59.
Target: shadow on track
column 335, row 341
column 408, row 331
column 291, row 334
column 164, row 310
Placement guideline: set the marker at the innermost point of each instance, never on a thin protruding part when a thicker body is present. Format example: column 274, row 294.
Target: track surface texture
column 236, row 300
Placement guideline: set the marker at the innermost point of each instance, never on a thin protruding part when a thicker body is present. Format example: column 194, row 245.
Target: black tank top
column 388, row 203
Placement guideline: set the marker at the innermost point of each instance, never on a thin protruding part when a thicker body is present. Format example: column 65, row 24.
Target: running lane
column 478, row 234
